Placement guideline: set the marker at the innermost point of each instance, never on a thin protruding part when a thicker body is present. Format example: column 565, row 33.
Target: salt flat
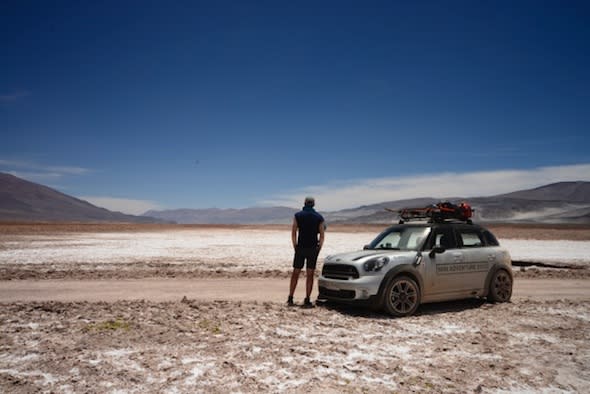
column 231, row 249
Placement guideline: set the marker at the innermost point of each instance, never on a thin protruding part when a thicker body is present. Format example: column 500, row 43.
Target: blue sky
column 170, row 104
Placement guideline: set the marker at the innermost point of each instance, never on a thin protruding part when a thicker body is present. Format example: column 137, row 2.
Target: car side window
column 442, row 238
column 414, row 239
column 391, row 240
column 470, row 239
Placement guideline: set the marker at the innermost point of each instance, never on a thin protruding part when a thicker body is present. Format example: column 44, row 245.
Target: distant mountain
column 376, row 213
column 21, row 200
column 571, row 192
column 271, row 215
column 563, row 202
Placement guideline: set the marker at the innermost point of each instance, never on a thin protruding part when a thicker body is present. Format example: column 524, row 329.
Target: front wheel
column 402, row 297
column 500, row 287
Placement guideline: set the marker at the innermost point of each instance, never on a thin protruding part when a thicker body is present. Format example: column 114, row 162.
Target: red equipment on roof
column 437, row 212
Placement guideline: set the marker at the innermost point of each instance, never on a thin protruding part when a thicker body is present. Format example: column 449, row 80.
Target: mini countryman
column 414, row 263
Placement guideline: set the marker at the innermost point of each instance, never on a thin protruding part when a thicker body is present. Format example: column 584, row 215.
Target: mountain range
column 563, row 202
column 21, row 200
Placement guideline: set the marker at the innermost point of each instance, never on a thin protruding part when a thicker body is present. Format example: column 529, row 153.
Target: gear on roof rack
column 443, row 211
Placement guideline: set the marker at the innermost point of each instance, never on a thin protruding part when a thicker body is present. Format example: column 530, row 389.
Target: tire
column 401, row 297
column 500, row 287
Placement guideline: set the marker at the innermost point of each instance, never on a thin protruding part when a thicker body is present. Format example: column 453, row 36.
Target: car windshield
column 401, row 238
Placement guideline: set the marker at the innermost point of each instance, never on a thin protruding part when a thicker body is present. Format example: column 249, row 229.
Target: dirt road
column 255, row 289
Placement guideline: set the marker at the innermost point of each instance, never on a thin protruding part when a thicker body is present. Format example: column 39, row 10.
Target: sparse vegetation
column 213, row 327
column 109, row 325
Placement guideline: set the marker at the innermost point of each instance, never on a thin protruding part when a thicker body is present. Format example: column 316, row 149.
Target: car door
column 477, row 259
column 443, row 267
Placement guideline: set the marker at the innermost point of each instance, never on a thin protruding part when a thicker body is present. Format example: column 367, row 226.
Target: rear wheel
column 500, row 287
column 402, row 297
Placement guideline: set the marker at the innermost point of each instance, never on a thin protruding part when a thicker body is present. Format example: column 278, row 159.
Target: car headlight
column 375, row 264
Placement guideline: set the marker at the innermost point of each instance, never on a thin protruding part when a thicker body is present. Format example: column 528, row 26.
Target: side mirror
column 436, row 250
column 366, row 247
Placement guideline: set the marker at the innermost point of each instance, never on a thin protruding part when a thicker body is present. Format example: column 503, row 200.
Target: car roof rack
column 442, row 212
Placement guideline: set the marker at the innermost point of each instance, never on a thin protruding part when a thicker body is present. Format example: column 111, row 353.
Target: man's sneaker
column 307, row 303
column 290, row 301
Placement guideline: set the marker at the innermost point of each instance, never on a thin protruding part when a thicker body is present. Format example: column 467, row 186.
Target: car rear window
column 470, row 239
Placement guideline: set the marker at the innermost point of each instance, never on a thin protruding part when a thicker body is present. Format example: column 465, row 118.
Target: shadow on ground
column 426, row 309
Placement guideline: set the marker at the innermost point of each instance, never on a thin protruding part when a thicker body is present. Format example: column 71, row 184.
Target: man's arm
column 294, row 233
column 321, row 229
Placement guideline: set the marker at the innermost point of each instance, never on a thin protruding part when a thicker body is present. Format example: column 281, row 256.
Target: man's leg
column 309, row 282
column 298, row 261
column 312, row 259
column 294, row 279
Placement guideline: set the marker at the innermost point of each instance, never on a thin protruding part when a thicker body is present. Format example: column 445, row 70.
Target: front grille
column 340, row 271
column 343, row 294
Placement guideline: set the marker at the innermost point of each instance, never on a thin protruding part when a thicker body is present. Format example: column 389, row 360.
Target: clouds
column 125, row 205
column 40, row 173
column 354, row 193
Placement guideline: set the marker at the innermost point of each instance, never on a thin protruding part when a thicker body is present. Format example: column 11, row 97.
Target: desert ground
column 173, row 309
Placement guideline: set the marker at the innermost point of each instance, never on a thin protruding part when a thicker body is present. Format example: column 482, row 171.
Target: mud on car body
column 415, row 263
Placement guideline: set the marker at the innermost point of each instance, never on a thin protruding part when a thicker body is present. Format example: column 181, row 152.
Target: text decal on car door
column 443, row 269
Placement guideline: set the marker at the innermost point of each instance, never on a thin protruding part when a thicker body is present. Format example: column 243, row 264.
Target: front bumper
column 359, row 289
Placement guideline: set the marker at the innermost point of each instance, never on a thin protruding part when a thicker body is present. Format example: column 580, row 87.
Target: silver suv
column 411, row 264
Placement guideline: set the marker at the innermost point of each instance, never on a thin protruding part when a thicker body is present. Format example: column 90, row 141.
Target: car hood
column 364, row 255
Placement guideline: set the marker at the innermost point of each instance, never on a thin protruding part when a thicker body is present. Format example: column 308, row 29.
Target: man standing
column 309, row 224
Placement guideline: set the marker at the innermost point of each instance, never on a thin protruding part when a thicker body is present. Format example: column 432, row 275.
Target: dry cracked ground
column 186, row 346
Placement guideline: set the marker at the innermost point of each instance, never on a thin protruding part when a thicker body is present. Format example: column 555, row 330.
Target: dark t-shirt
column 308, row 223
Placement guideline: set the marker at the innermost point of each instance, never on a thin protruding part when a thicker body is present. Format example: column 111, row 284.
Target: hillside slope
column 21, row 200
column 563, row 202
